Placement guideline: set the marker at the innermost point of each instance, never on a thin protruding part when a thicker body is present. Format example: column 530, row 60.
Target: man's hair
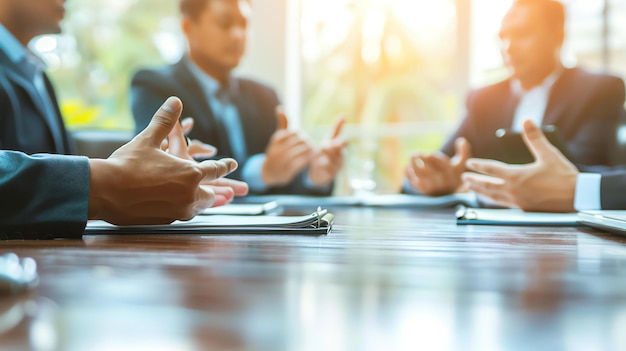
column 193, row 8
column 551, row 12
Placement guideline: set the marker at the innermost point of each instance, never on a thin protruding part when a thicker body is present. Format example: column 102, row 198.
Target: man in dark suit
column 47, row 196
column 35, row 191
column 585, row 107
column 550, row 184
column 25, row 90
column 240, row 117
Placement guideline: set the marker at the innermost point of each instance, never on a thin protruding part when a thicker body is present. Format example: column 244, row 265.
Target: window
column 397, row 69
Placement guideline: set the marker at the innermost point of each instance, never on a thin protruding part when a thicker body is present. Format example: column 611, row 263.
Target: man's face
column 528, row 44
column 218, row 35
column 39, row 16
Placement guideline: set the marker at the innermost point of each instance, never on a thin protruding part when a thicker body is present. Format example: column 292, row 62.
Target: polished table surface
column 384, row 279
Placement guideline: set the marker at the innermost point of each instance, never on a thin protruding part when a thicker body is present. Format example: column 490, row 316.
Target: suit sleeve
column 146, row 96
column 43, row 196
column 613, row 191
column 598, row 139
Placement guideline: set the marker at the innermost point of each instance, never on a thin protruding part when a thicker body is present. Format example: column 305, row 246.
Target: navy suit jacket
column 43, row 196
column 255, row 102
column 613, row 190
column 585, row 107
column 23, row 123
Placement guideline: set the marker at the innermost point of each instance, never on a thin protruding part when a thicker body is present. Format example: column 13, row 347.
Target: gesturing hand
column 328, row 161
column 287, row 154
column 437, row 174
column 548, row 184
column 141, row 184
column 225, row 189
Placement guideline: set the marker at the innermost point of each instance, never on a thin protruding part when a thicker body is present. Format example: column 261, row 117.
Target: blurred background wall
column 398, row 69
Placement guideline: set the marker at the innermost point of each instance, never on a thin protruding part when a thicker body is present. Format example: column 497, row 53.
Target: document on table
column 485, row 216
column 244, row 209
column 389, row 200
column 317, row 223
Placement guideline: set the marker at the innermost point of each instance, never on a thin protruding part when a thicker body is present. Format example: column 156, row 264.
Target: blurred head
column 531, row 35
column 216, row 31
column 26, row 19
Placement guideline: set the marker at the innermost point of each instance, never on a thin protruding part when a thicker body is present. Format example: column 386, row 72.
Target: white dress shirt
column 533, row 103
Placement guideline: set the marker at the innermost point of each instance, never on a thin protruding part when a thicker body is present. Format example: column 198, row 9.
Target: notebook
column 271, row 207
column 611, row 221
column 317, row 223
column 487, row 216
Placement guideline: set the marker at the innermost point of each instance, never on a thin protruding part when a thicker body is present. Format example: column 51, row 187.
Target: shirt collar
column 210, row 85
column 11, row 46
column 546, row 85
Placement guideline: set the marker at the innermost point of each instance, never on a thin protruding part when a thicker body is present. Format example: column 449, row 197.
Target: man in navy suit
column 240, row 117
column 550, row 184
column 585, row 107
column 25, row 90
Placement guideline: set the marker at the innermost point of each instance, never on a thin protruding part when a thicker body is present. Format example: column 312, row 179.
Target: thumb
column 463, row 149
column 463, row 152
column 537, row 143
column 338, row 127
column 281, row 118
column 163, row 121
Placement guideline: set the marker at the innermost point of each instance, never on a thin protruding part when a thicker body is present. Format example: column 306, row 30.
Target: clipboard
column 514, row 217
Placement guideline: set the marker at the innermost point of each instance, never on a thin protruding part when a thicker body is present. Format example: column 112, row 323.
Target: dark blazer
column 23, row 123
column 585, row 107
column 43, row 196
column 255, row 102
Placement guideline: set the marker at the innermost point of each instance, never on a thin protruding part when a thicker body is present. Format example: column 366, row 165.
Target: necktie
column 226, row 113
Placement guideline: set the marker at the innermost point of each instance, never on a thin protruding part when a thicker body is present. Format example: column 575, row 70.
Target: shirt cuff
column 587, row 196
column 408, row 189
column 251, row 173
column 308, row 183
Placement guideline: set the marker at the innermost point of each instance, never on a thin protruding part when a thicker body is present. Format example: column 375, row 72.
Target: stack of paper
column 317, row 223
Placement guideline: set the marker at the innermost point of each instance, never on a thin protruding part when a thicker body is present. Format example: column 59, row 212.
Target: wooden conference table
column 384, row 279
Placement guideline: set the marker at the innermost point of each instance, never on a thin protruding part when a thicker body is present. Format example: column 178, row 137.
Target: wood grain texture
column 382, row 280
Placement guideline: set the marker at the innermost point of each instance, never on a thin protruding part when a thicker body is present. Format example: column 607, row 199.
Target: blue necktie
column 226, row 113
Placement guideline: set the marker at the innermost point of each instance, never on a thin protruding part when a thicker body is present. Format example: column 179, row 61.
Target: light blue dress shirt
column 227, row 114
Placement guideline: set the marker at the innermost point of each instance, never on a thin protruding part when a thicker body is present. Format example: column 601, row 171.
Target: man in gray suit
column 51, row 196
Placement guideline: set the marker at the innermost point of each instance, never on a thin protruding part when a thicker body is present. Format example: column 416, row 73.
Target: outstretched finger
column 281, row 118
column 240, row 188
column 538, row 144
column 492, row 188
column 491, row 167
column 338, row 127
column 213, row 170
